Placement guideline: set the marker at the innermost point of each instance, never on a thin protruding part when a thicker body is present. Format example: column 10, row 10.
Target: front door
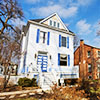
column 42, row 62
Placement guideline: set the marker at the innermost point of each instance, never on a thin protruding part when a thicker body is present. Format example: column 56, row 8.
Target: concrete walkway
column 23, row 93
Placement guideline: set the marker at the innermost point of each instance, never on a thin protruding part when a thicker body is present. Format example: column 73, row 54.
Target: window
column 98, row 53
column 51, row 22
column 89, row 68
column 63, row 41
column 89, row 77
column 54, row 24
column 88, row 54
column 98, row 67
column 63, row 60
column 1, row 70
column 58, row 25
column 43, row 37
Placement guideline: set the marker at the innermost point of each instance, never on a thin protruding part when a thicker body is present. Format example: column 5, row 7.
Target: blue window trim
column 67, row 42
column 48, row 38
column 37, row 37
column 58, row 59
column 68, row 60
column 59, row 40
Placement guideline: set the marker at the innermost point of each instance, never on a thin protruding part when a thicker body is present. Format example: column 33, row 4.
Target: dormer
column 54, row 21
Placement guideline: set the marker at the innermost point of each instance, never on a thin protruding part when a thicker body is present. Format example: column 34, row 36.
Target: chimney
column 81, row 42
column 82, row 59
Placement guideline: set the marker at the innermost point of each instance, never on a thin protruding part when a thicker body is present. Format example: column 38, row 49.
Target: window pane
column 43, row 36
column 98, row 67
column 63, row 60
column 88, row 53
column 89, row 68
column 98, row 53
column 54, row 23
column 64, row 41
column 51, row 22
column 58, row 25
column 63, row 63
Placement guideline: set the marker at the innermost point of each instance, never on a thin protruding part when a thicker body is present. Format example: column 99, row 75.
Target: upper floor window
column 89, row 68
column 51, row 22
column 63, row 60
column 63, row 41
column 98, row 67
column 1, row 70
column 88, row 54
column 98, row 53
column 43, row 37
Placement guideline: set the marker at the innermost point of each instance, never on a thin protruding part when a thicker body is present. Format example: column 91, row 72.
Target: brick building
column 88, row 59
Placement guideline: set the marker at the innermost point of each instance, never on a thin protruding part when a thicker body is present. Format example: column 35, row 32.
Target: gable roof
column 55, row 14
column 88, row 46
column 37, row 20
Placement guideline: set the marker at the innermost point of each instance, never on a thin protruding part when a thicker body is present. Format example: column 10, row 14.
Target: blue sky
column 81, row 16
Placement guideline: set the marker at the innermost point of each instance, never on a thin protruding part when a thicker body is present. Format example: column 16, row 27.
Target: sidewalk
column 23, row 93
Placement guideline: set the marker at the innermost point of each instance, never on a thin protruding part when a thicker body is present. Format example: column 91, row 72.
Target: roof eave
column 50, row 27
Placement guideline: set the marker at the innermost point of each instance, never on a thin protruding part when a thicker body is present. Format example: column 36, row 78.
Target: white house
column 47, row 51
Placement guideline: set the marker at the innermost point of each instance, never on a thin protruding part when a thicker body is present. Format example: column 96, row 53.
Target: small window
column 58, row 25
column 63, row 60
column 88, row 54
column 51, row 22
column 1, row 70
column 54, row 24
column 89, row 68
column 98, row 67
column 98, row 53
column 89, row 77
column 43, row 37
column 63, row 41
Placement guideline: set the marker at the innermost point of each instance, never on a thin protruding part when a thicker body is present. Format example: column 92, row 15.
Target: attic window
column 51, row 22
column 54, row 24
column 58, row 25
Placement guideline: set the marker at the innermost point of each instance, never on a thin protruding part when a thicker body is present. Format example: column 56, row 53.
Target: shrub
column 91, row 87
column 26, row 82
column 33, row 82
column 70, row 81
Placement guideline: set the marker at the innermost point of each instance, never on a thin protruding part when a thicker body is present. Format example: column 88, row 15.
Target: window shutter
column 38, row 33
column 24, row 63
column 67, row 42
column 68, row 60
column 27, row 69
column 48, row 38
column 58, row 59
column 59, row 40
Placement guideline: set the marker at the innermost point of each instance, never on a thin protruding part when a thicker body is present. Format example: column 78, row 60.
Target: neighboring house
column 47, row 49
column 88, row 59
column 13, row 67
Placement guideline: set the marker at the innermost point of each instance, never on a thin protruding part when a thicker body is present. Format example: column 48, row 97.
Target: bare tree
column 9, row 55
column 10, row 36
column 9, row 10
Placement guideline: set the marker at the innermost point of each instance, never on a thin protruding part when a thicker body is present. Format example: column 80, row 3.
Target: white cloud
column 32, row 1
column 75, row 2
column 96, row 41
column 63, row 12
column 83, row 27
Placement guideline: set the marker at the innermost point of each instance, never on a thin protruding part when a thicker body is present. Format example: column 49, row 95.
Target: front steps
column 47, row 80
